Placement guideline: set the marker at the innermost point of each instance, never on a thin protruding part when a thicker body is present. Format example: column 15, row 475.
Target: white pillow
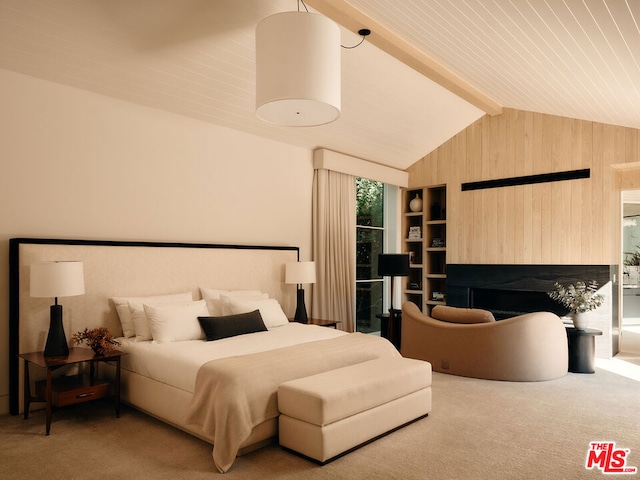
column 270, row 310
column 122, row 307
column 213, row 297
column 175, row 322
column 225, row 301
column 140, row 319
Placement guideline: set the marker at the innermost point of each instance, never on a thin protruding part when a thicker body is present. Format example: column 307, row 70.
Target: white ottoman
column 326, row 415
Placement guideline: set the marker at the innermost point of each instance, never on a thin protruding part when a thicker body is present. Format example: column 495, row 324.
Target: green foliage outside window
column 369, row 202
column 369, row 243
column 369, row 213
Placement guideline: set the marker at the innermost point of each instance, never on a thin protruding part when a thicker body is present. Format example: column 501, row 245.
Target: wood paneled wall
column 568, row 222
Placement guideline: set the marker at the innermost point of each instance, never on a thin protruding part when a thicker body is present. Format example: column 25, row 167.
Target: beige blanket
column 233, row 395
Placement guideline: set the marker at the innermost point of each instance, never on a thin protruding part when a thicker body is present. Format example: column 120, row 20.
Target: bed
column 174, row 378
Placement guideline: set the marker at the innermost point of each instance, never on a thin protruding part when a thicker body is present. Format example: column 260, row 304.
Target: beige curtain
column 334, row 247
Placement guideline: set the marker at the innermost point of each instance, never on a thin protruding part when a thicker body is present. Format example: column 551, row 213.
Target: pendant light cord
column 364, row 32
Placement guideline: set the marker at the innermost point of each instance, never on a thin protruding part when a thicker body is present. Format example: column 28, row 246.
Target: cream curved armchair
column 526, row 348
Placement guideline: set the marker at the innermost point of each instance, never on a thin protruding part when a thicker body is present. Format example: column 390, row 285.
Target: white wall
column 74, row 164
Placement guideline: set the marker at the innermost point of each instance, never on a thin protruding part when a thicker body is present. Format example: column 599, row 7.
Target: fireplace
column 509, row 303
column 510, row 290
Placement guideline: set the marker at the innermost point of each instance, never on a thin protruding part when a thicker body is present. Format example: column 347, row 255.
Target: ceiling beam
column 353, row 19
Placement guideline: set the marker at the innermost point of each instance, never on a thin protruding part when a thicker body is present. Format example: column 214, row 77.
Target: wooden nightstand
column 323, row 323
column 63, row 391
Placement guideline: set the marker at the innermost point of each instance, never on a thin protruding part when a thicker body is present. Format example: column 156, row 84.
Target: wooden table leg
column 26, row 391
column 49, row 400
column 117, row 388
column 91, row 371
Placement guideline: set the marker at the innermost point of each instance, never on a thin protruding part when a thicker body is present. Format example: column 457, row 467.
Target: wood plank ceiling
column 196, row 58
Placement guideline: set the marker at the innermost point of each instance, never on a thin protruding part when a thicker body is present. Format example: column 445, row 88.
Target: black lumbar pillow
column 216, row 328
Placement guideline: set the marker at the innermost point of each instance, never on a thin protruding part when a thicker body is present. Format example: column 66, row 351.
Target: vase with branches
column 579, row 299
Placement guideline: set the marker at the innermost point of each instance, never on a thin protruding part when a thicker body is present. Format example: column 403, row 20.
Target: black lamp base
column 56, row 345
column 301, row 309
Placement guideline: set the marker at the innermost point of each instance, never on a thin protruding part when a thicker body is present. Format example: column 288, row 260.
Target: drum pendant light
column 297, row 69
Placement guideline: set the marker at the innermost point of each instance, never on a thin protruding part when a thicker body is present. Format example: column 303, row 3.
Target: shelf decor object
column 415, row 205
column 56, row 279
column 300, row 273
column 393, row 265
column 415, row 232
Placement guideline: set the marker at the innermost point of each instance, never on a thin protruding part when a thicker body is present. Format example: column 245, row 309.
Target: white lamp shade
column 57, row 279
column 300, row 272
column 297, row 69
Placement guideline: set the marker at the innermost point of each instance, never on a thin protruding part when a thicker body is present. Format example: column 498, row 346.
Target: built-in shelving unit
column 425, row 240
column 413, row 244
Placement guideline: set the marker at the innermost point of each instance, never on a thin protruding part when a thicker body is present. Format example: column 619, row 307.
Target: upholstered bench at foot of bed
column 326, row 415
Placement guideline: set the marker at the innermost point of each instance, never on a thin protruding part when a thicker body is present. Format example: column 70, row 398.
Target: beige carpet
column 477, row 430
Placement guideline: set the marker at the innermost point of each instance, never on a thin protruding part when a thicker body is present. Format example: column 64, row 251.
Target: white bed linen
column 177, row 363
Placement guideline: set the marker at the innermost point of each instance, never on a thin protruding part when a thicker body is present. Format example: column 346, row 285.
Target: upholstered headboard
column 131, row 269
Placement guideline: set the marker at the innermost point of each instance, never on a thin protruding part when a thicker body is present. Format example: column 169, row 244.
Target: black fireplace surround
column 510, row 290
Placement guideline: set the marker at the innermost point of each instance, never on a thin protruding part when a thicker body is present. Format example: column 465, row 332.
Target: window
column 370, row 235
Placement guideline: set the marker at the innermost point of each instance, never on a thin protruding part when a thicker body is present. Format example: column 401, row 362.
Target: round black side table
column 582, row 349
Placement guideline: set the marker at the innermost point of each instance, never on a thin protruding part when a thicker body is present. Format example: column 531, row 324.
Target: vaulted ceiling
column 429, row 69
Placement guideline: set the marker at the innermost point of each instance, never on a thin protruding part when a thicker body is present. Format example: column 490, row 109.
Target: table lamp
column 393, row 265
column 299, row 273
column 56, row 279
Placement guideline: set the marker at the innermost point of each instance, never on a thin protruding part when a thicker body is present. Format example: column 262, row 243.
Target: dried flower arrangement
column 98, row 339
column 578, row 298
